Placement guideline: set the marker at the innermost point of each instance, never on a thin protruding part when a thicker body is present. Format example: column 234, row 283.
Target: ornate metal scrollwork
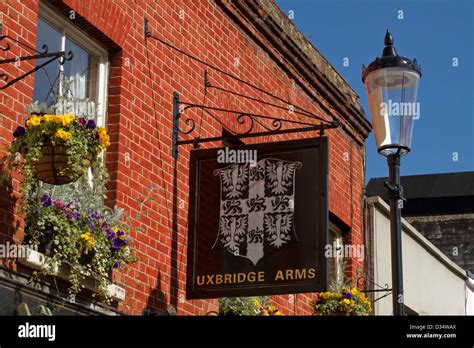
column 39, row 55
column 272, row 126
column 241, row 120
column 191, row 124
column 69, row 56
column 6, row 48
column 362, row 282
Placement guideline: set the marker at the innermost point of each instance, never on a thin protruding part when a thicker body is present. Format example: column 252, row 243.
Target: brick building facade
column 252, row 40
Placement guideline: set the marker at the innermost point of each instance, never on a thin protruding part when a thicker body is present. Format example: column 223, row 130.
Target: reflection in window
column 336, row 262
column 80, row 71
column 46, row 79
column 77, row 70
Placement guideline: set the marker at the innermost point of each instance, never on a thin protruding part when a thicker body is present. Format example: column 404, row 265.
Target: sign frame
column 196, row 158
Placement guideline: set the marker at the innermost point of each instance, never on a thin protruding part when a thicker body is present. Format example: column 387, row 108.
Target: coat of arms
column 257, row 207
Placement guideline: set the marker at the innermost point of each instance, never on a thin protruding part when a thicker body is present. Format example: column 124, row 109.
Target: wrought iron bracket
column 61, row 55
column 272, row 126
column 275, row 126
column 362, row 282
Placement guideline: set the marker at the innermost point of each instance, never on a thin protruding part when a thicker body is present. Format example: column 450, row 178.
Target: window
column 86, row 73
column 336, row 262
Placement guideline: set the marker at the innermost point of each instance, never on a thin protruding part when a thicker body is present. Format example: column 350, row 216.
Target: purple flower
column 348, row 295
column 117, row 243
column 94, row 215
column 46, row 200
column 91, row 225
column 90, row 124
column 81, row 121
column 19, row 132
column 110, row 235
column 117, row 264
column 74, row 216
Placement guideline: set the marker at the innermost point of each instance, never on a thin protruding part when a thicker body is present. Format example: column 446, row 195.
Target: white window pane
column 47, row 76
column 77, row 70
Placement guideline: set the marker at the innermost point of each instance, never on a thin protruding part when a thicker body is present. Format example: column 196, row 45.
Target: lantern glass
column 392, row 96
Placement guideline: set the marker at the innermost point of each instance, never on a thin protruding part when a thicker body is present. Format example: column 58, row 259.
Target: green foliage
column 341, row 300
column 70, row 223
column 83, row 143
column 90, row 243
column 242, row 306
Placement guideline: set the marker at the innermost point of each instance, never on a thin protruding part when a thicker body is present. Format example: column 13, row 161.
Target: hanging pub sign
column 258, row 219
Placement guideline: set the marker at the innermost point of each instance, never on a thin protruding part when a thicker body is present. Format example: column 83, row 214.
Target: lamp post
column 391, row 83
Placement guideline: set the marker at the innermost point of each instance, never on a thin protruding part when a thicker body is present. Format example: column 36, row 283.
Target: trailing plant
column 266, row 309
column 70, row 223
column 81, row 138
column 247, row 306
column 87, row 242
column 342, row 300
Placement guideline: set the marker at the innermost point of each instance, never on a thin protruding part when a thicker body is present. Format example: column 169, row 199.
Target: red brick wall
column 19, row 22
column 142, row 80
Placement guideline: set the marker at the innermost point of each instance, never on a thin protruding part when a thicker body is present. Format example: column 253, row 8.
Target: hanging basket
column 52, row 167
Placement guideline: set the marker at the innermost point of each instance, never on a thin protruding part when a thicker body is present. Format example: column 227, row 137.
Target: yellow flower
column 63, row 134
column 346, row 301
column 102, row 132
column 105, row 141
column 66, row 119
column 88, row 238
column 34, row 121
column 104, row 138
column 48, row 118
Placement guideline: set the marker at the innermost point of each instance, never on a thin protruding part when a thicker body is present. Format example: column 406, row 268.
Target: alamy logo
column 12, row 250
column 232, row 156
column 345, row 251
column 37, row 331
column 400, row 109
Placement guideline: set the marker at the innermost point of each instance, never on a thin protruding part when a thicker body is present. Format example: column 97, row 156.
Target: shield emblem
column 256, row 207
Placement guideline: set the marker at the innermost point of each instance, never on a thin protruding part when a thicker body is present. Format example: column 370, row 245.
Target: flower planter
column 37, row 260
column 52, row 167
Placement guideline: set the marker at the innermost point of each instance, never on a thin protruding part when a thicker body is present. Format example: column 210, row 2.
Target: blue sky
column 433, row 31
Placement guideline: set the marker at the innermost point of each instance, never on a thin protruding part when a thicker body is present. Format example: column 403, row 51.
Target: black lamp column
column 393, row 80
column 396, row 204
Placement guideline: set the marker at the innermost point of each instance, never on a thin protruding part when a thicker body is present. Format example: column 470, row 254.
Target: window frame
column 82, row 39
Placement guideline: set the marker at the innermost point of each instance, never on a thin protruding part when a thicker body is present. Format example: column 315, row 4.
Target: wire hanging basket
column 52, row 167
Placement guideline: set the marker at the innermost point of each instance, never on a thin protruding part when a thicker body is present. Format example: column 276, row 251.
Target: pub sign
column 258, row 219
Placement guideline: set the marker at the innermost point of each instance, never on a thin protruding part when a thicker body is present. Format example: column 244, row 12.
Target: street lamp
column 391, row 84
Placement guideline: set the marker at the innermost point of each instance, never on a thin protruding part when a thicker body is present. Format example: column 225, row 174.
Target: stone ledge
column 37, row 260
